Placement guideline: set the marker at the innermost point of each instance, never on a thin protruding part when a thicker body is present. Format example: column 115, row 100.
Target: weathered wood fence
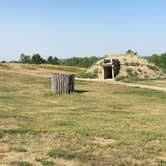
column 62, row 83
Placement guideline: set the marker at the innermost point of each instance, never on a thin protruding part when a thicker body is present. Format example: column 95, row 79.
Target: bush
column 120, row 78
column 129, row 71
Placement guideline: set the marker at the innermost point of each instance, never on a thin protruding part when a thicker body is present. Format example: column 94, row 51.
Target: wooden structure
column 109, row 68
column 62, row 83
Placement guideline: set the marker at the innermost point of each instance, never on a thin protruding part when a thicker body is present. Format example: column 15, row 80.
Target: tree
column 159, row 60
column 131, row 52
column 37, row 59
column 53, row 60
column 25, row 58
column 81, row 62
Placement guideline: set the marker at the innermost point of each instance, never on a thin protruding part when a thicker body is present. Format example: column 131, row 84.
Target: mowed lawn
column 99, row 125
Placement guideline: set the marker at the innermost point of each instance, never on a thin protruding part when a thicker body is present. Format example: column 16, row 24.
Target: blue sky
column 67, row 28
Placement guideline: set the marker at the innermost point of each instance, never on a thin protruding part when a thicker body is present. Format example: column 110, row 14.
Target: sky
column 67, row 28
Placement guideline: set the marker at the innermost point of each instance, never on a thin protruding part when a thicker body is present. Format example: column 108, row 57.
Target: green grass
column 45, row 162
column 21, row 163
column 151, row 82
column 61, row 153
column 73, row 69
column 20, row 149
column 120, row 78
column 65, row 127
column 86, row 75
column 3, row 66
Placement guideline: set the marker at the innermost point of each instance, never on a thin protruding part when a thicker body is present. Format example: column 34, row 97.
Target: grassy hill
column 97, row 125
column 42, row 69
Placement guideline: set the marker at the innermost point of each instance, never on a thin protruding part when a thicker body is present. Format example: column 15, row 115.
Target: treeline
column 159, row 60
column 74, row 61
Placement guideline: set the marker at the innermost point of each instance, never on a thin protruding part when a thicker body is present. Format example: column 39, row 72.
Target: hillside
column 132, row 67
column 42, row 69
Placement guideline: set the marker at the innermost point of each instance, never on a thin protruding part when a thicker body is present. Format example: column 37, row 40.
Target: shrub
column 120, row 78
column 129, row 71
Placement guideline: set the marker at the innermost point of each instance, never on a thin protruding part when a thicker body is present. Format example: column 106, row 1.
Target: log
column 62, row 83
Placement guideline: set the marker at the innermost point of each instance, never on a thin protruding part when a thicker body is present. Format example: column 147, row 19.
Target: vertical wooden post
column 62, row 83
column 113, row 74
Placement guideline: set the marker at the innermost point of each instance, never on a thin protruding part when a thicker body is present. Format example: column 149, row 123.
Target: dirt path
column 113, row 82
column 109, row 81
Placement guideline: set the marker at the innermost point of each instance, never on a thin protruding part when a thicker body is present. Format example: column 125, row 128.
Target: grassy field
column 159, row 83
column 42, row 69
column 98, row 125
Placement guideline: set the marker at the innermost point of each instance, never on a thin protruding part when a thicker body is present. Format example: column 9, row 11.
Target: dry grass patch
column 8, row 123
column 103, row 141
column 4, row 148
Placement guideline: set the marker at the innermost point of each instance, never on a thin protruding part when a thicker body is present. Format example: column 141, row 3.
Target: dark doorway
column 107, row 72
column 116, row 64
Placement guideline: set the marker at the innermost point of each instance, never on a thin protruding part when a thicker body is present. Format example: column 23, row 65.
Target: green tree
column 131, row 52
column 159, row 60
column 37, row 59
column 82, row 62
column 25, row 58
column 53, row 60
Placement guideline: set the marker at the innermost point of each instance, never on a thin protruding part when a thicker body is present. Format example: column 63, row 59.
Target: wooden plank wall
column 62, row 83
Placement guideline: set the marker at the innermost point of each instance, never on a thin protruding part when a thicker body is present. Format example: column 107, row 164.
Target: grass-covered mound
column 132, row 67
